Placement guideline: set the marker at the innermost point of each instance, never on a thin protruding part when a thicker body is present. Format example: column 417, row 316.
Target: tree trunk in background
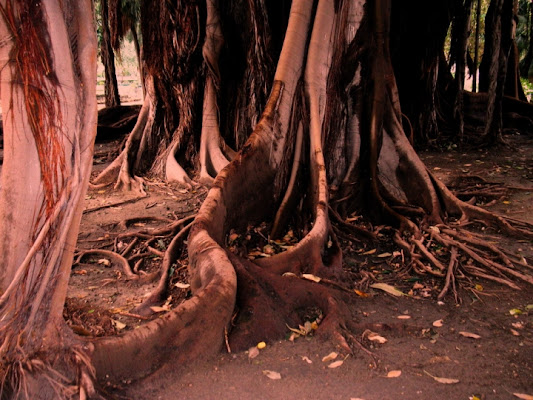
column 112, row 97
column 48, row 79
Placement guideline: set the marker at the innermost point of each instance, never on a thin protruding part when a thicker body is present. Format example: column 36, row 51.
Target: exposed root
column 169, row 258
column 117, row 258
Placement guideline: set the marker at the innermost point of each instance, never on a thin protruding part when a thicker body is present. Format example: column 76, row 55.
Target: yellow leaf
column 311, row 277
column 478, row 287
column 361, row 293
column 335, row 364
column 261, row 345
column 330, row 357
column 394, row 374
column 515, row 311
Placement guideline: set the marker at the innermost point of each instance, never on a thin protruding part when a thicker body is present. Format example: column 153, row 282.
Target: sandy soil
column 480, row 347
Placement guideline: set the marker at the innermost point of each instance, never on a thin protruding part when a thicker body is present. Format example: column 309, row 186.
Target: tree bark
column 112, row 97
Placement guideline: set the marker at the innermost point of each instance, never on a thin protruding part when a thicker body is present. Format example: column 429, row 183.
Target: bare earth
column 475, row 348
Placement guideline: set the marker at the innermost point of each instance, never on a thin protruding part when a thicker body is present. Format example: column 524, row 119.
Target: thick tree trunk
column 112, row 97
column 49, row 114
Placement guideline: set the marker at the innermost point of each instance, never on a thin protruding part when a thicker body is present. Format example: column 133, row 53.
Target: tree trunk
column 49, row 110
column 112, row 97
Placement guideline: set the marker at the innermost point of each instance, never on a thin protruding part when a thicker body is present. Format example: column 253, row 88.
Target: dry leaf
column 159, row 309
column 470, row 335
column 374, row 337
column 384, row 255
column 403, row 317
column 181, row 285
column 307, row 360
column 447, row 381
column 394, row 374
column 311, row 277
column 272, row 374
column 360, row 293
column 515, row 332
column 437, row 323
column 253, row 352
column 289, row 274
column 366, row 253
column 330, row 357
column 387, row 288
column 335, row 364
column 104, row 261
column 515, row 311
column 523, row 396
column 261, row 345
column 117, row 324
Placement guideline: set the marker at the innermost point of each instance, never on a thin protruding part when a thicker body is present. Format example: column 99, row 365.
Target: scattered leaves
column 523, row 396
column 117, row 324
column 311, row 277
column 394, row 374
column 374, row 337
column 105, row 262
column 470, row 335
column 388, row 288
column 336, row 364
column 253, row 352
column 330, row 357
column 181, row 285
column 447, row 381
column 437, row 323
column 272, row 374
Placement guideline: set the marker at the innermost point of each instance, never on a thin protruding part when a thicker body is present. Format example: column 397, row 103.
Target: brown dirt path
column 493, row 366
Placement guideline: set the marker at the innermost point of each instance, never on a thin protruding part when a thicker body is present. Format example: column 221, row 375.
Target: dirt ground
column 480, row 347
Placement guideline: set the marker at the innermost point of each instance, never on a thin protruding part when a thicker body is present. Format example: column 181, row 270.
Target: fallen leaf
column 117, row 324
column 394, row 374
column 311, row 277
column 335, row 364
column 478, row 287
column 403, row 317
column 253, row 352
column 447, row 381
column 518, row 325
column 387, row 288
column 159, row 309
column 384, row 255
column 374, row 337
column 105, row 262
column 261, row 345
column 181, row 285
column 437, row 323
column 330, row 357
column 307, row 360
column 515, row 332
column 361, row 293
column 515, row 311
column 523, row 396
column 272, row 374
column 289, row 274
column 367, row 253
column 470, row 335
